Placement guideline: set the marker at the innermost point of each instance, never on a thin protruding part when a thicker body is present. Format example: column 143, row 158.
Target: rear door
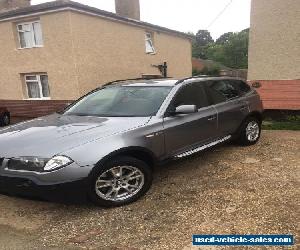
column 187, row 131
column 231, row 108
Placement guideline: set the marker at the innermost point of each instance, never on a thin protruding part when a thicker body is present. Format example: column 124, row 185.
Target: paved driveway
column 234, row 190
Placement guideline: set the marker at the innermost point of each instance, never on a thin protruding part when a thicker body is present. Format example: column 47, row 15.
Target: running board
column 196, row 150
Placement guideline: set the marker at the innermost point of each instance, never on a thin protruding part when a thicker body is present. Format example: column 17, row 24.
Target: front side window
column 37, row 86
column 192, row 94
column 30, row 34
column 121, row 101
column 149, row 43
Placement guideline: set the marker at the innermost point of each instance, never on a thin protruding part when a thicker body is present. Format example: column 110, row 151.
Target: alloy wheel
column 119, row 183
column 252, row 131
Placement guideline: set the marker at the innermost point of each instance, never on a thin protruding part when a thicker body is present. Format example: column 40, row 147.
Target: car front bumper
column 69, row 192
column 68, row 184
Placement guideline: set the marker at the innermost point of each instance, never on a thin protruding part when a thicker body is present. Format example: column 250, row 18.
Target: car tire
column 106, row 181
column 5, row 119
column 249, row 132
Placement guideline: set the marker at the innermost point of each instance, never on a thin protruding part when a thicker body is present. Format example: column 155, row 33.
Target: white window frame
column 34, row 45
column 38, row 80
column 149, row 39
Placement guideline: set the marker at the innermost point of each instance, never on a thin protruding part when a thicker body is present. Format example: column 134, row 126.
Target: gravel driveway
column 230, row 189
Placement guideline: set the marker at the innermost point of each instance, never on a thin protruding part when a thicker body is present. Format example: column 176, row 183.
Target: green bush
column 293, row 118
column 196, row 72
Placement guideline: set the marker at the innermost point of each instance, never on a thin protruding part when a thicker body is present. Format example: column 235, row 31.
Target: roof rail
column 133, row 79
column 193, row 77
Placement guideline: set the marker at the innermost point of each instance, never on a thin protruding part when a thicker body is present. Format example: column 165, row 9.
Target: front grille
column 15, row 164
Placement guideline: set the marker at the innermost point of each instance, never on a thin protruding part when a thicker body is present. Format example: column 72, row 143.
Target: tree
column 216, row 52
column 236, row 50
column 231, row 50
column 201, row 42
column 203, row 38
column 199, row 51
column 224, row 38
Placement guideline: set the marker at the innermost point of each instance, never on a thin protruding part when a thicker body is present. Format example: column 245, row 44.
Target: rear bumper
column 70, row 192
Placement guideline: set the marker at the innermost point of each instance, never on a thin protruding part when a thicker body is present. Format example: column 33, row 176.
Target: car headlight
column 57, row 162
column 38, row 164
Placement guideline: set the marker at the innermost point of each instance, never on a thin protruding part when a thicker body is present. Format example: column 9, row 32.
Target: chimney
column 128, row 8
column 6, row 5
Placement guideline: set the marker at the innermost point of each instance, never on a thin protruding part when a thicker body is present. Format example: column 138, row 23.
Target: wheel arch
column 254, row 114
column 140, row 153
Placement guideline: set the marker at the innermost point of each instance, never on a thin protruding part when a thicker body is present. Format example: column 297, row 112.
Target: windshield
column 121, row 101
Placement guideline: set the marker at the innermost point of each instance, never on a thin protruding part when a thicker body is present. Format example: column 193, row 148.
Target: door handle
column 211, row 118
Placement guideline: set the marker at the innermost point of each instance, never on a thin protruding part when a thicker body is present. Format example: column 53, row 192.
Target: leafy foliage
column 201, row 42
column 224, row 38
column 230, row 49
column 203, row 38
column 199, row 51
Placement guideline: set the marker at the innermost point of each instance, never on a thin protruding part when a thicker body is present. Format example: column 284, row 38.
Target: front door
column 183, row 132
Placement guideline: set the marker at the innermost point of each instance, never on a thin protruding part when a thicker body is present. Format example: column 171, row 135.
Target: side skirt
column 201, row 148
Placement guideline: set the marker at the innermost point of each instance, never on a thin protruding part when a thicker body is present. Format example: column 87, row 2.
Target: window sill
column 37, row 99
column 151, row 53
column 35, row 47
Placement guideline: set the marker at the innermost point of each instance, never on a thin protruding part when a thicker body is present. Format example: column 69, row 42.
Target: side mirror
column 186, row 109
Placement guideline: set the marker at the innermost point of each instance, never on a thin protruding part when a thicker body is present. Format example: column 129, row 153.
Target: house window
column 30, row 34
column 37, row 86
column 149, row 43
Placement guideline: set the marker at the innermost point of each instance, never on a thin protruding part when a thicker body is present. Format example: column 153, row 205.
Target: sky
column 188, row 15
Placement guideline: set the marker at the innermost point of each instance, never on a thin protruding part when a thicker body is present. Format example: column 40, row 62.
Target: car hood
column 53, row 134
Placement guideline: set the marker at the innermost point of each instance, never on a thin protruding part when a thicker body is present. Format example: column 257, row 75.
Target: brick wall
column 31, row 109
column 197, row 64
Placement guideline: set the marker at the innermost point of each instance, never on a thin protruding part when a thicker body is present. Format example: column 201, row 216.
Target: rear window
column 242, row 87
column 221, row 91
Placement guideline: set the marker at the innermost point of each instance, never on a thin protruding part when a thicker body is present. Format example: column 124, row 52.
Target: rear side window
column 221, row 91
column 192, row 94
column 242, row 87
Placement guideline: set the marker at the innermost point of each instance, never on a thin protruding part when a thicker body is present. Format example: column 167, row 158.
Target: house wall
column 81, row 52
column 55, row 58
column 274, row 52
column 106, row 50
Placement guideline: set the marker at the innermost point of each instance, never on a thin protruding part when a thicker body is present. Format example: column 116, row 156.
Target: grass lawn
column 281, row 125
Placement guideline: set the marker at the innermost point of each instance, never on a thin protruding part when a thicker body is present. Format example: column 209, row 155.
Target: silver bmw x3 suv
column 103, row 146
